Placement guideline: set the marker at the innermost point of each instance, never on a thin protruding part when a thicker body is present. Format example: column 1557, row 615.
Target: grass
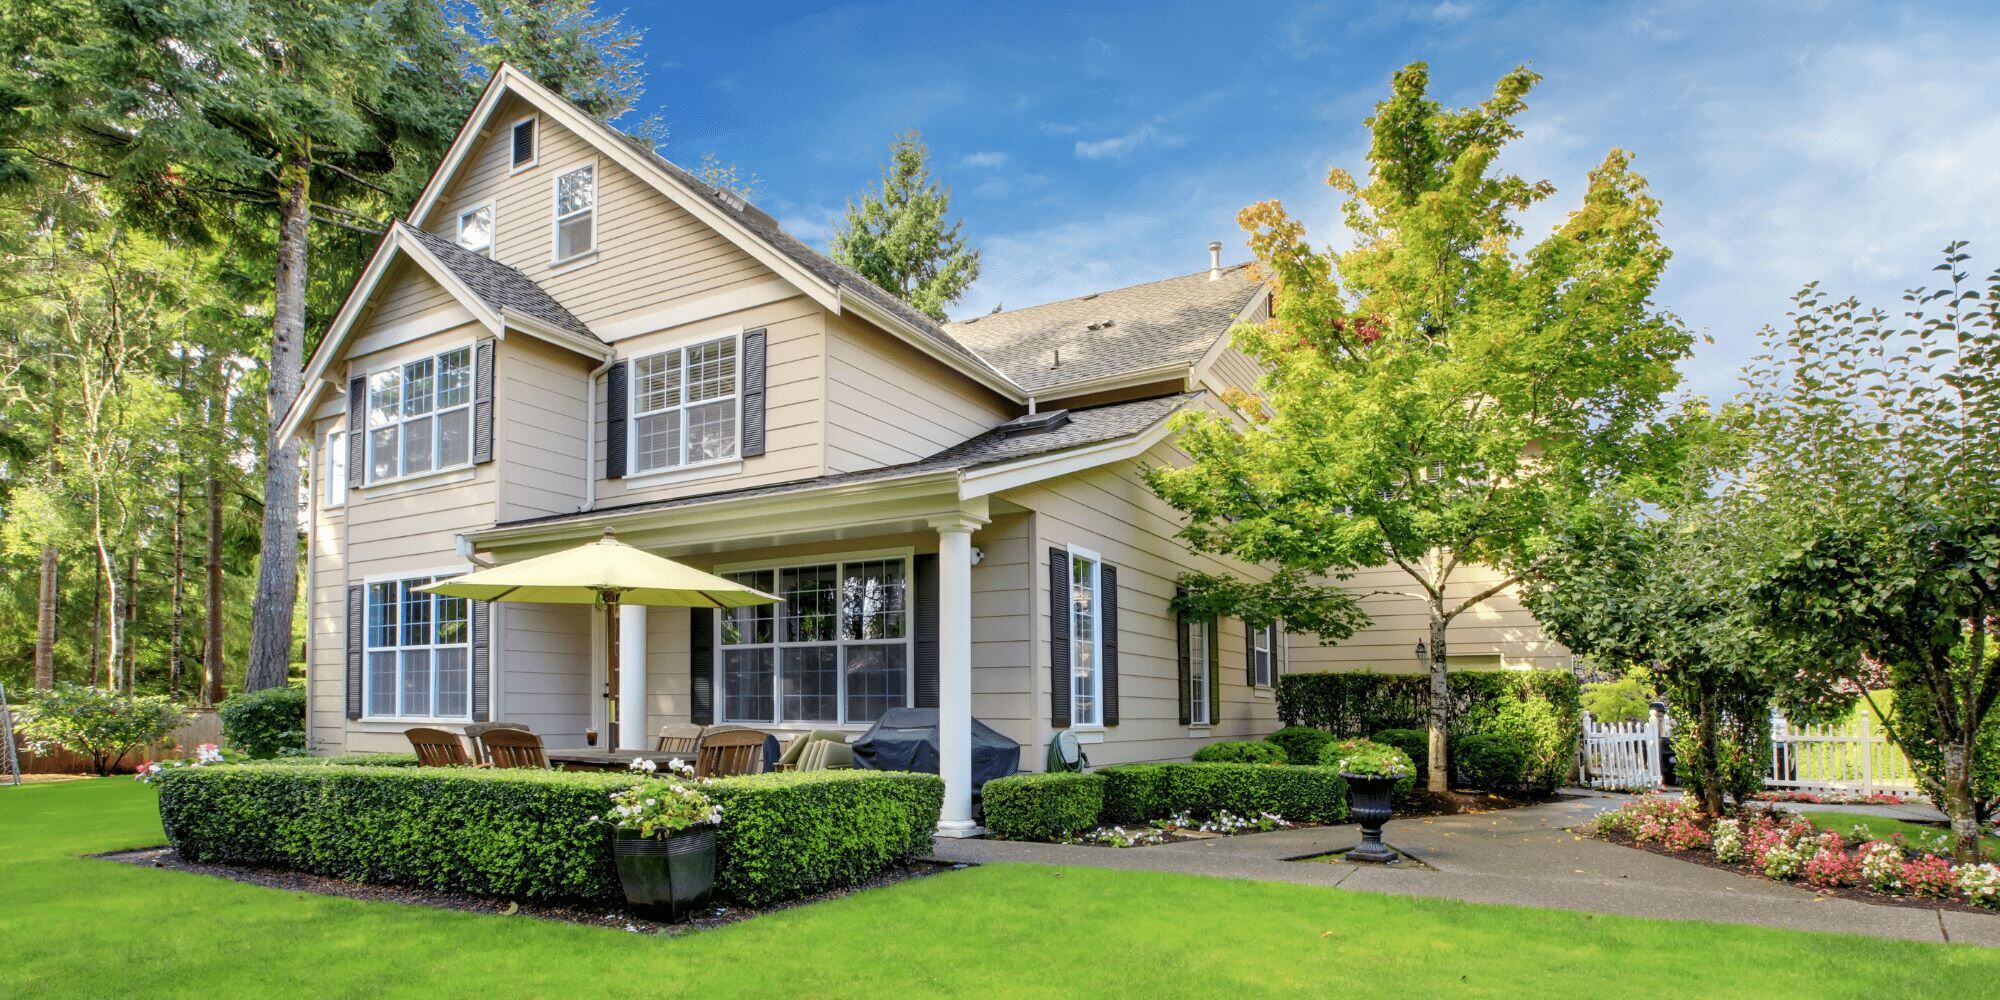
column 1885, row 828
column 79, row 927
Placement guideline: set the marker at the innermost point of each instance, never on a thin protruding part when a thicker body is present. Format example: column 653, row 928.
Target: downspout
column 590, row 433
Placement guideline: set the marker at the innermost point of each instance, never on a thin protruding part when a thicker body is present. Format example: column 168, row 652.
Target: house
column 568, row 333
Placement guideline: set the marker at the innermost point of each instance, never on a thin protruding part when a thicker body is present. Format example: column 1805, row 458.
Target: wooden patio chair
column 437, row 748
column 737, row 751
column 476, row 733
column 796, row 749
column 515, row 748
column 681, row 738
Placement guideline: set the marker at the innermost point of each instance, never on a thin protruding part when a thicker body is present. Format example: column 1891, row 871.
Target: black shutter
column 701, row 665
column 1249, row 654
column 1107, row 624
column 482, row 401
column 614, row 422
column 482, row 661
column 753, row 393
column 524, row 142
column 357, row 429
column 1214, row 670
column 1059, row 598
column 927, row 631
column 355, row 624
column 1184, row 662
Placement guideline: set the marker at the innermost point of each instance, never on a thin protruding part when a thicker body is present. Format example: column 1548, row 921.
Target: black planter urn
column 1368, row 800
column 667, row 879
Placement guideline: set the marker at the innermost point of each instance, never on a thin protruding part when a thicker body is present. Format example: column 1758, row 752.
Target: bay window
column 418, row 653
column 837, row 651
column 684, row 406
column 420, row 416
column 1086, row 653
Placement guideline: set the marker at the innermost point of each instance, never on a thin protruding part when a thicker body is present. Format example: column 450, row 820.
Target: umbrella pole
column 611, row 671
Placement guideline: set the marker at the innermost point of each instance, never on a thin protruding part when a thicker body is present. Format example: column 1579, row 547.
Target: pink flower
column 1929, row 875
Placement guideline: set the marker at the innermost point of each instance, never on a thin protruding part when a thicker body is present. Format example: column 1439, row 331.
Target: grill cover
column 906, row 739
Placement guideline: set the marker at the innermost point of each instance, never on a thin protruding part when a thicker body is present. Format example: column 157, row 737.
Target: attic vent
column 1100, row 325
column 1034, row 423
column 524, row 142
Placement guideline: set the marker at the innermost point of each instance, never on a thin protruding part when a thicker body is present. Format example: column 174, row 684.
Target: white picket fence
column 1621, row 755
column 1846, row 758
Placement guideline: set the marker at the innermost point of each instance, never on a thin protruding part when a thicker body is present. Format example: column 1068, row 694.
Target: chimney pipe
column 1215, row 260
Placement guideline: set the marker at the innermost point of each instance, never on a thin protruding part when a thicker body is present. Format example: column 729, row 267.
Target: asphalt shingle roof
column 498, row 285
column 1111, row 333
column 1095, row 425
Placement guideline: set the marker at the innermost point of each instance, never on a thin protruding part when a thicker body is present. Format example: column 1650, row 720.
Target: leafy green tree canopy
column 899, row 238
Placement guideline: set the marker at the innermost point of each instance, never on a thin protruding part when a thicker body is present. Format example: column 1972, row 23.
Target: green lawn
column 76, row 927
column 1884, row 828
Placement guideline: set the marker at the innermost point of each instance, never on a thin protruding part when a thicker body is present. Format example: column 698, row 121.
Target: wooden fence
column 1853, row 757
column 203, row 725
column 1621, row 755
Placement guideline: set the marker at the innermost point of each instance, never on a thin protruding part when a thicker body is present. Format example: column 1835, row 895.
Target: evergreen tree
column 898, row 236
column 591, row 59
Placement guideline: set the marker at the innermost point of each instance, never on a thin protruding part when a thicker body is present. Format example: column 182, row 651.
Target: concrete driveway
column 1524, row 857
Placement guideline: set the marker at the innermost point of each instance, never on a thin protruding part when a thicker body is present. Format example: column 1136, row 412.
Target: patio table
column 610, row 760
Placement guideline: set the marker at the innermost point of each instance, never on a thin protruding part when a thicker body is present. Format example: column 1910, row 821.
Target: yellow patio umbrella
column 607, row 572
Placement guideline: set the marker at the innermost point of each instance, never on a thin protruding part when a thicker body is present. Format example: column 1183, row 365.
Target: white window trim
column 1269, row 675
column 1198, row 632
column 555, row 210
column 336, row 481
column 636, row 476
column 493, row 231
column 512, row 167
column 718, row 683
column 1097, row 637
column 367, row 585
column 470, row 406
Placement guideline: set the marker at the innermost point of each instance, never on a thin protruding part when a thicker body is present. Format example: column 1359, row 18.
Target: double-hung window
column 475, row 229
column 836, row 651
column 1262, row 643
column 1086, row 647
column 576, row 212
column 1198, row 667
column 420, row 416
column 336, row 468
column 684, row 406
column 419, row 655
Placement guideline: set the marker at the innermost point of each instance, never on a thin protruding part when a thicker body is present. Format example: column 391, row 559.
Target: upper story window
column 836, row 651
column 576, row 212
column 1086, row 654
column 418, row 651
column 420, row 416
column 336, row 468
column 684, row 406
column 475, row 229
column 523, row 137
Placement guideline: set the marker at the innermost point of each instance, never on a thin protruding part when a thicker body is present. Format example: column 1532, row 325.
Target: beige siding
column 1004, row 692
column 542, row 670
column 1111, row 511
column 539, row 428
column 1231, row 368
column 888, row 404
column 1499, row 632
column 651, row 255
column 326, row 594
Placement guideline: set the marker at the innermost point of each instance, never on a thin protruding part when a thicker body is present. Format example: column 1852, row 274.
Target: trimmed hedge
column 526, row 834
column 1241, row 752
column 1415, row 743
column 1043, row 806
column 1301, row 744
column 360, row 760
column 1139, row 793
column 267, row 723
column 1494, row 762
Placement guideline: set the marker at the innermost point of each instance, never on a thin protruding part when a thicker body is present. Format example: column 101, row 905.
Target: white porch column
column 632, row 728
column 955, row 671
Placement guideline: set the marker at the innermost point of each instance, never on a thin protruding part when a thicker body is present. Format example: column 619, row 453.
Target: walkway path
column 1525, row 857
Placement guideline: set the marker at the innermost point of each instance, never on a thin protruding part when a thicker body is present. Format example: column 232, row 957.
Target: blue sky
column 1090, row 146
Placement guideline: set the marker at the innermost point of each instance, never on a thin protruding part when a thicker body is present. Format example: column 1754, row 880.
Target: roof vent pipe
column 1215, row 260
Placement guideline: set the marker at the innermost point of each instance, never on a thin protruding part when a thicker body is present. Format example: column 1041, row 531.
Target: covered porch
column 895, row 593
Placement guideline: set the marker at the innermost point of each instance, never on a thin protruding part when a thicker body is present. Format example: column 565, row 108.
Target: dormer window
column 684, row 406
column 524, row 143
column 576, row 213
column 475, row 229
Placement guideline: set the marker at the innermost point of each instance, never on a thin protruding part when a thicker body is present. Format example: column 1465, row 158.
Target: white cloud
column 1143, row 134
column 985, row 159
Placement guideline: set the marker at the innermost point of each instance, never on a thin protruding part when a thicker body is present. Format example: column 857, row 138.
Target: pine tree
column 898, row 237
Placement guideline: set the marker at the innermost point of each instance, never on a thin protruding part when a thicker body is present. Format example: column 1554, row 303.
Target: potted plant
column 664, row 841
column 1371, row 770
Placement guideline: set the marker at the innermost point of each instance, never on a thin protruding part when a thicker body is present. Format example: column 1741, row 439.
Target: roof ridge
column 1226, row 268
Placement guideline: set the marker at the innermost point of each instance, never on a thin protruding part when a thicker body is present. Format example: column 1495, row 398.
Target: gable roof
column 501, row 287
column 1125, row 331
column 995, row 449
column 834, row 286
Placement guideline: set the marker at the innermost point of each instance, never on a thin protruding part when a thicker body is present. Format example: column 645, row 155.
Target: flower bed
column 1815, row 798
column 523, row 834
column 1132, row 802
column 1792, row 849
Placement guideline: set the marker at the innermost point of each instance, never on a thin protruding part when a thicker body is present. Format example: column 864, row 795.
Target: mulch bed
column 596, row 915
column 1425, row 804
column 1860, row 894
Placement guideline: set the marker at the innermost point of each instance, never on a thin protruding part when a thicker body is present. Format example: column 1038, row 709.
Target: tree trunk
column 1958, row 800
column 45, row 622
column 131, row 626
column 177, row 626
column 1707, row 768
column 278, row 569
column 1439, row 779
column 211, row 625
column 96, row 620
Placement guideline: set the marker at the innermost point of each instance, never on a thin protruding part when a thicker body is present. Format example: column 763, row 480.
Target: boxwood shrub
column 1137, row 793
column 1496, row 762
column 1043, row 806
column 1241, row 752
column 525, row 834
column 266, row 723
column 1302, row 744
column 1414, row 742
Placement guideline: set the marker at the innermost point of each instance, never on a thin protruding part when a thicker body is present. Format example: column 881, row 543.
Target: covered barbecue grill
column 906, row 739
